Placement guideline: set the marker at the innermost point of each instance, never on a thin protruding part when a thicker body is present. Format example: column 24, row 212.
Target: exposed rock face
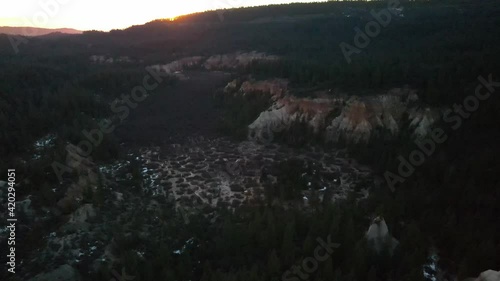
column 277, row 88
column 236, row 60
column 232, row 86
column 273, row 88
column 379, row 237
column 216, row 62
column 422, row 120
column 289, row 109
column 100, row 59
column 489, row 275
column 337, row 117
column 178, row 65
column 361, row 118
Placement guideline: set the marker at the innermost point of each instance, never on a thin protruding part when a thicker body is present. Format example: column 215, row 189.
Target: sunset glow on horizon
column 108, row 14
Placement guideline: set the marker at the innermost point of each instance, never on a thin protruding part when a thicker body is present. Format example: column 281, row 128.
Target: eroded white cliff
column 378, row 236
column 341, row 117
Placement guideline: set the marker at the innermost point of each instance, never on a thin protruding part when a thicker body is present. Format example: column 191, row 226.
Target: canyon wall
column 332, row 116
column 337, row 117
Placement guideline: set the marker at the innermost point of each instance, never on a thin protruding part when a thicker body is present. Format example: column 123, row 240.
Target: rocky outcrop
column 237, row 60
column 216, row 62
column 363, row 117
column 274, row 88
column 335, row 117
column 489, row 275
column 277, row 88
column 100, row 59
column 178, row 65
column 422, row 120
column 285, row 111
column 379, row 238
column 339, row 117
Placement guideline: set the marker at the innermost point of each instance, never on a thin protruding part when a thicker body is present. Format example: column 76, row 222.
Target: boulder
column 177, row 66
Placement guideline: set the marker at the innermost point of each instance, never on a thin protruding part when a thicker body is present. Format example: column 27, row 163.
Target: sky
column 108, row 14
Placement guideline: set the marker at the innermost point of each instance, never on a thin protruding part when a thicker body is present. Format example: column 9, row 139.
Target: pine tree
column 338, row 274
column 308, row 247
column 273, row 264
column 372, row 274
column 254, row 274
column 288, row 246
column 328, row 273
column 207, row 272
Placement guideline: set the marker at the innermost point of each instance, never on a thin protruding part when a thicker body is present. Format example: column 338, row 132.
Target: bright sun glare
column 108, row 14
column 96, row 14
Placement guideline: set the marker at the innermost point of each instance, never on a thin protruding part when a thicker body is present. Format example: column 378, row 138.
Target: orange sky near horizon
column 108, row 14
